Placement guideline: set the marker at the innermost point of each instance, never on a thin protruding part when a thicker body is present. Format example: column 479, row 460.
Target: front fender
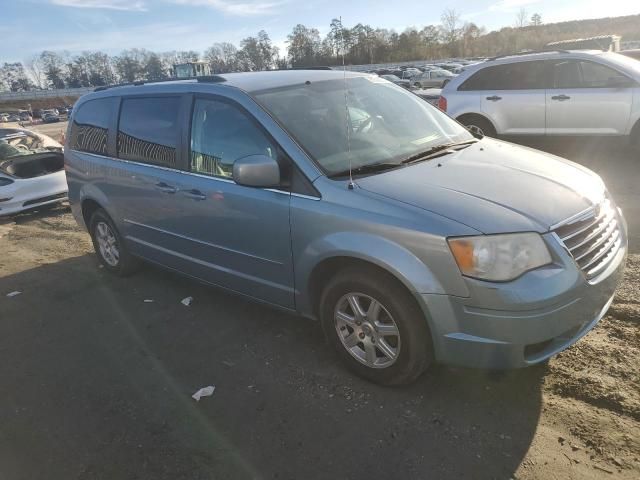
column 390, row 256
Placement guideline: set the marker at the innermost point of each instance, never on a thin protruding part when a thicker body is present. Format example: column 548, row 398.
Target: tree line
column 360, row 44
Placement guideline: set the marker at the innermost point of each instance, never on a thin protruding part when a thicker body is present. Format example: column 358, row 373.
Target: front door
column 234, row 236
column 587, row 98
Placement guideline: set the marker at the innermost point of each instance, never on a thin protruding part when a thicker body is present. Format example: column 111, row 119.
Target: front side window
column 380, row 123
column 221, row 134
column 90, row 126
column 148, row 130
column 595, row 75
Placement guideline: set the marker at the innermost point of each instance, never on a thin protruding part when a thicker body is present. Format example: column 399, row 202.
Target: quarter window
column 148, row 130
column 90, row 127
column 221, row 134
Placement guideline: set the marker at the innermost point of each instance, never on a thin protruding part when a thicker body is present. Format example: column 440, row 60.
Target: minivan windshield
column 381, row 124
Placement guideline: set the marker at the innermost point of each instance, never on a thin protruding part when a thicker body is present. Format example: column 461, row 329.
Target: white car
column 31, row 171
column 549, row 93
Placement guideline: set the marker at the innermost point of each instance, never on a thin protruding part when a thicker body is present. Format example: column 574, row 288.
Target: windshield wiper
column 438, row 150
column 368, row 168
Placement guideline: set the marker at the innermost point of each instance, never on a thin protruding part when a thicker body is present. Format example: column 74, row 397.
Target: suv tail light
column 442, row 103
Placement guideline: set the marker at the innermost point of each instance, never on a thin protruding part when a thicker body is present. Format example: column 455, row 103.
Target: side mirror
column 475, row 131
column 256, row 171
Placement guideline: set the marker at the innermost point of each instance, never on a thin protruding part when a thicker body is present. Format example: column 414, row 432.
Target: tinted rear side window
column 148, row 130
column 511, row 76
column 90, row 126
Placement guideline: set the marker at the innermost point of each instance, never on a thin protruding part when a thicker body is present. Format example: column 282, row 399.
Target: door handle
column 163, row 187
column 560, row 98
column 494, row 98
column 194, row 194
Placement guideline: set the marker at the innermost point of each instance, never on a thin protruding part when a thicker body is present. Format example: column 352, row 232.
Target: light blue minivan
column 345, row 198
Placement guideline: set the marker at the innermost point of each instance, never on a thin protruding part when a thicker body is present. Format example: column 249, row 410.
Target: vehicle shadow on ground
column 98, row 374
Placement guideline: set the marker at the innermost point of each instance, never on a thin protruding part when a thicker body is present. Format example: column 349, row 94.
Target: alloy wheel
column 367, row 330
column 107, row 244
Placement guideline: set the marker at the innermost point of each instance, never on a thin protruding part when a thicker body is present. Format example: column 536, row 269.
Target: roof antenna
column 346, row 107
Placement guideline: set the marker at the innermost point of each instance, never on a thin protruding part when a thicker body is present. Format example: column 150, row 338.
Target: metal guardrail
column 36, row 94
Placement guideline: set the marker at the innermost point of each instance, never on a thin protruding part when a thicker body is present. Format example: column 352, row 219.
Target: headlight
column 5, row 181
column 499, row 257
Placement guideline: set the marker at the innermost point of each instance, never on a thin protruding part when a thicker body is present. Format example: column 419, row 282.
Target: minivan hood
column 493, row 187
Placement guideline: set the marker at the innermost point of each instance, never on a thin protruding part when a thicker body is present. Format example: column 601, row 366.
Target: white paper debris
column 203, row 392
column 187, row 301
column 13, row 294
column 148, row 300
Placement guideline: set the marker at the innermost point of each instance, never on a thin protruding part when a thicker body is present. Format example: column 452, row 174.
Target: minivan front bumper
column 512, row 326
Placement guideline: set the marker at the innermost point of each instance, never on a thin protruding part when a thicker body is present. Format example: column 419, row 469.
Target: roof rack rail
column 207, row 78
column 533, row 52
column 320, row 67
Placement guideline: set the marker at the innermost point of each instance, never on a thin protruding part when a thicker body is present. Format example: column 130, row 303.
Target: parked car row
column 432, row 75
column 22, row 116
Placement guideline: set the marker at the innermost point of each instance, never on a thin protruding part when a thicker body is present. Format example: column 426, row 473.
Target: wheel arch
column 90, row 199
column 470, row 115
column 88, row 206
column 326, row 258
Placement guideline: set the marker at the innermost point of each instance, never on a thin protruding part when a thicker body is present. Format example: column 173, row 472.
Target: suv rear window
column 148, row 130
column 511, row 76
column 90, row 127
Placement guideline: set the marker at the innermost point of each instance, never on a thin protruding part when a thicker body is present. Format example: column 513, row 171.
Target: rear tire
column 390, row 324
column 109, row 246
column 483, row 125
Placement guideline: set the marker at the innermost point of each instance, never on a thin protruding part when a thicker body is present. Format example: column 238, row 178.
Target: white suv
column 549, row 93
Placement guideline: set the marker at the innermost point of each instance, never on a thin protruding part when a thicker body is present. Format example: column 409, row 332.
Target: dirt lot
column 96, row 383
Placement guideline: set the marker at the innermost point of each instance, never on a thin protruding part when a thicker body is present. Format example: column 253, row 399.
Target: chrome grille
column 593, row 238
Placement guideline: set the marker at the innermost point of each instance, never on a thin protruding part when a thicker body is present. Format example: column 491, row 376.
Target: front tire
column 109, row 247
column 376, row 326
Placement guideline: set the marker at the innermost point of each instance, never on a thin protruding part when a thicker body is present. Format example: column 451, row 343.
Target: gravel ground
column 96, row 382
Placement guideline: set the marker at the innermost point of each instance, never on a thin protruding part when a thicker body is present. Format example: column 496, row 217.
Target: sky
column 30, row 26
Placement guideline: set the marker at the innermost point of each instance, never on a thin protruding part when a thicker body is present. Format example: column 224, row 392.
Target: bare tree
column 35, row 69
column 522, row 18
column 450, row 28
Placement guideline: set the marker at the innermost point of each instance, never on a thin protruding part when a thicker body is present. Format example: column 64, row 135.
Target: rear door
column 149, row 144
column 512, row 96
column 587, row 98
